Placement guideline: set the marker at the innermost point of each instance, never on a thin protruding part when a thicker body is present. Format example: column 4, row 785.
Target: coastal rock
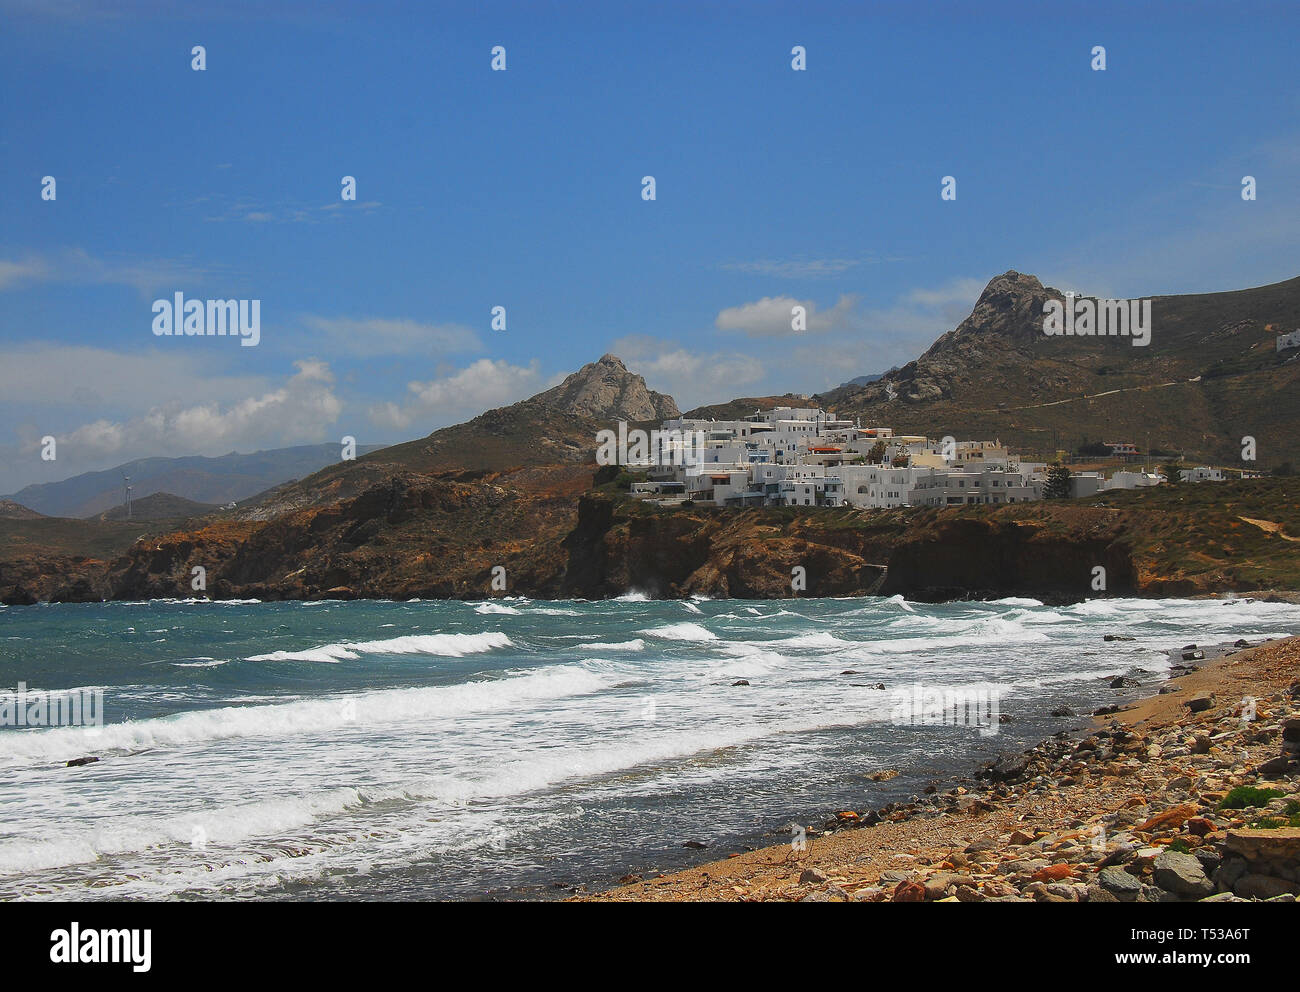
column 78, row 762
column 1119, row 884
column 1281, row 845
column 909, row 892
column 1008, row 766
column 1264, row 887
column 1170, row 819
column 1181, row 874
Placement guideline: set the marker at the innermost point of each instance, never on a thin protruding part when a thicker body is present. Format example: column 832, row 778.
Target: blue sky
column 523, row 189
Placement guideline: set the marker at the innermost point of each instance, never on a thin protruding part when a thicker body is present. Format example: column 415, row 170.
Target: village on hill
column 797, row 456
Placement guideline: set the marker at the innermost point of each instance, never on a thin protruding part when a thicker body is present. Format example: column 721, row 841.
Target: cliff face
column 936, row 555
column 954, row 557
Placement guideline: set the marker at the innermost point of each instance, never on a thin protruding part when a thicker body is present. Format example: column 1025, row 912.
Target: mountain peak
column 606, row 390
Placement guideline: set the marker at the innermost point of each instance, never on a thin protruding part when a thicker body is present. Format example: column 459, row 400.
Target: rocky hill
column 553, row 433
column 9, row 510
column 159, row 506
column 1210, row 376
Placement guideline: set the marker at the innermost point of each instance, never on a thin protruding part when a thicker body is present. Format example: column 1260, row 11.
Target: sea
column 515, row 748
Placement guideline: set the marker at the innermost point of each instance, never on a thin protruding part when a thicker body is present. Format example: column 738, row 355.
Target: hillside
column 746, row 405
column 1210, row 376
column 553, row 433
column 159, row 506
column 9, row 510
column 419, row 537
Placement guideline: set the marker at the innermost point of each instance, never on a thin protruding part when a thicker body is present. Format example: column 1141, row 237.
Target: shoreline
column 1128, row 809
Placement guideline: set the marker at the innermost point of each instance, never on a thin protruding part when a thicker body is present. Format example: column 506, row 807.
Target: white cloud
column 27, row 271
column 76, row 266
column 299, row 411
column 691, row 377
column 772, row 316
column 389, row 336
column 485, row 384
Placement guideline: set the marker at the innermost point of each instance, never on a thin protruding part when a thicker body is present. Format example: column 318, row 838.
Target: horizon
column 523, row 189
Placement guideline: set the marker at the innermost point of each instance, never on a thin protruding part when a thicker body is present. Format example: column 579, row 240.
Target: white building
column 1285, row 341
column 1134, row 480
column 1202, row 473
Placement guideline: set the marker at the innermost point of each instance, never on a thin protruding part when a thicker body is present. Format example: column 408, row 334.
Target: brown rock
column 909, row 892
column 1170, row 819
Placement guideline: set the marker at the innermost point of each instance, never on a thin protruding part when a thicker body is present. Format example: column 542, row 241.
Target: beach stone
column 937, row 885
column 1199, row 704
column 812, row 876
column 1181, row 873
column 1008, row 766
column 78, row 762
column 1254, row 886
column 1281, row 845
column 1210, row 859
column 1146, row 857
column 1124, row 682
column 740, row 682
column 1119, row 884
column 909, row 892
column 1230, row 871
column 1275, row 766
column 1096, row 893
column 1170, row 819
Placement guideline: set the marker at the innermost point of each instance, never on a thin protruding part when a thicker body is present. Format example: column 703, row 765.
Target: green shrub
column 1246, row 796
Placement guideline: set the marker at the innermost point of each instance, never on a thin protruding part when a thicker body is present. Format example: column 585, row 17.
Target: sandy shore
column 1131, row 810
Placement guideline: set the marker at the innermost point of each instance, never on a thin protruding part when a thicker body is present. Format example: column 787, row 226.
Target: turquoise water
column 377, row 750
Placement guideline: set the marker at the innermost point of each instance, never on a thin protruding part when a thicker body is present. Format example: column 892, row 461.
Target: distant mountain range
column 217, row 480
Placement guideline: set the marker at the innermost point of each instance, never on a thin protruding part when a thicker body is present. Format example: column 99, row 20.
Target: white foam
column 302, row 718
column 446, row 645
column 636, row 644
column 681, row 632
column 491, row 608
